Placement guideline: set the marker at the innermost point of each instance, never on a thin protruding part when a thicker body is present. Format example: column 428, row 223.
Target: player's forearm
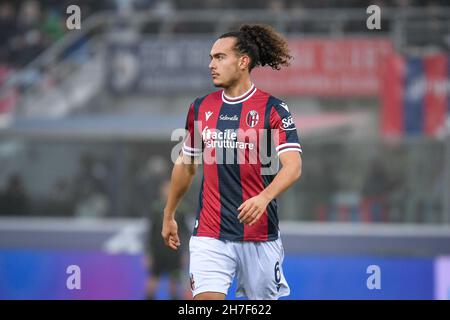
column 289, row 173
column 182, row 176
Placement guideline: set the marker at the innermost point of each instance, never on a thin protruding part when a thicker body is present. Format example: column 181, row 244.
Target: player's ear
column 244, row 62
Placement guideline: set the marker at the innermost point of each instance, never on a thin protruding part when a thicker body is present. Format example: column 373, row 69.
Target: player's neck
column 238, row 89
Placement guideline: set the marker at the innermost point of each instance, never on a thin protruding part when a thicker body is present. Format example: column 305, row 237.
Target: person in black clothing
column 160, row 259
column 7, row 29
column 14, row 199
column 375, row 190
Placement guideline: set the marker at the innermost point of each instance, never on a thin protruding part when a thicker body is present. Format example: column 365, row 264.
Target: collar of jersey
column 235, row 100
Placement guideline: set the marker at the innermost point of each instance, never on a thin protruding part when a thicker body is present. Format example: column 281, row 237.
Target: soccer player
column 236, row 230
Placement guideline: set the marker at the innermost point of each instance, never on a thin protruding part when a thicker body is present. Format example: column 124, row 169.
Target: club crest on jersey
column 252, row 118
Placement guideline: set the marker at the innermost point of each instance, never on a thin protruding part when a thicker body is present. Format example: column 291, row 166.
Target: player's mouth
column 214, row 75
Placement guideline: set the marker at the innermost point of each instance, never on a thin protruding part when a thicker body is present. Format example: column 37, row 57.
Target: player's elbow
column 293, row 163
column 297, row 171
column 296, row 168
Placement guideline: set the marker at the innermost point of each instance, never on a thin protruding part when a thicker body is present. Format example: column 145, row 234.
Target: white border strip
column 46, row 224
column 288, row 145
column 242, row 95
column 224, row 97
column 358, row 229
column 290, row 149
column 287, row 227
column 191, row 149
column 191, row 154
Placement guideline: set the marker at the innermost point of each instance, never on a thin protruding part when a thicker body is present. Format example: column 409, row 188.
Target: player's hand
column 252, row 209
column 170, row 233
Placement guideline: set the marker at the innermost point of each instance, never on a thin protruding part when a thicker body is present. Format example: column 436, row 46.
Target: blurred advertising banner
column 442, row 278
column 415, row 95
column 163, row 66
column 327, row 67
column 45, row 274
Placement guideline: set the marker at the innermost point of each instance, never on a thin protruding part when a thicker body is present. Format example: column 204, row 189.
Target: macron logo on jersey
column 285, row 106
column 208, row 115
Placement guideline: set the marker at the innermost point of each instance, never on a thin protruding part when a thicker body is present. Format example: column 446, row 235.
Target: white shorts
column 257, row 265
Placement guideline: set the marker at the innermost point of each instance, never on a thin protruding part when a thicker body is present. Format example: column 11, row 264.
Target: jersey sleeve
column 192, row 145
column 285, row 132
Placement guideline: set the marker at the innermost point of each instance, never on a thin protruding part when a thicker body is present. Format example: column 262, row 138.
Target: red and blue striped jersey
column 236, row 138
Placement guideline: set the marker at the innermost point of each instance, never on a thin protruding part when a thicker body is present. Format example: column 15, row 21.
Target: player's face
column 224, row 64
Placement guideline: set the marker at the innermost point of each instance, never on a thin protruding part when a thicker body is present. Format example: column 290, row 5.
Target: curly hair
column 262, row 44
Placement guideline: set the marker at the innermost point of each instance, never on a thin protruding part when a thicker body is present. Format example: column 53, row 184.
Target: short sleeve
column 192, row 145
column 285, row 136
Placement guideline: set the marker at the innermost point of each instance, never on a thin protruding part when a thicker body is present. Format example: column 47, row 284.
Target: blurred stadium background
column 86, row 118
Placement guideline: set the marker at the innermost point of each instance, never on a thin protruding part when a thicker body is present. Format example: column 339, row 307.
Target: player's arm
column 289, row 149
column 252, row 209
column 182, row 174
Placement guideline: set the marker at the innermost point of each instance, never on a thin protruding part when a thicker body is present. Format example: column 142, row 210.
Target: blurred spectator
column 374, row 191
column 432, row 206
column 91, row 173
column 60, row 198
column 434, row 25
column 7, row 28
column 28, row 27
column 147, row 174
column 402, row 3
column 92, row 204
column 14, row 199
column 5, row 70
column 161, row 260
column 276, row 6
column 164, row 7
column 8, row 96
column 28, row 42
column 90, row 188
column 53, row 26
column 328, row 186
column 125, row 7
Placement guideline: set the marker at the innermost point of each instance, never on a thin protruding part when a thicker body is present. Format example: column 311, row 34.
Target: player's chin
column 217, row 83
